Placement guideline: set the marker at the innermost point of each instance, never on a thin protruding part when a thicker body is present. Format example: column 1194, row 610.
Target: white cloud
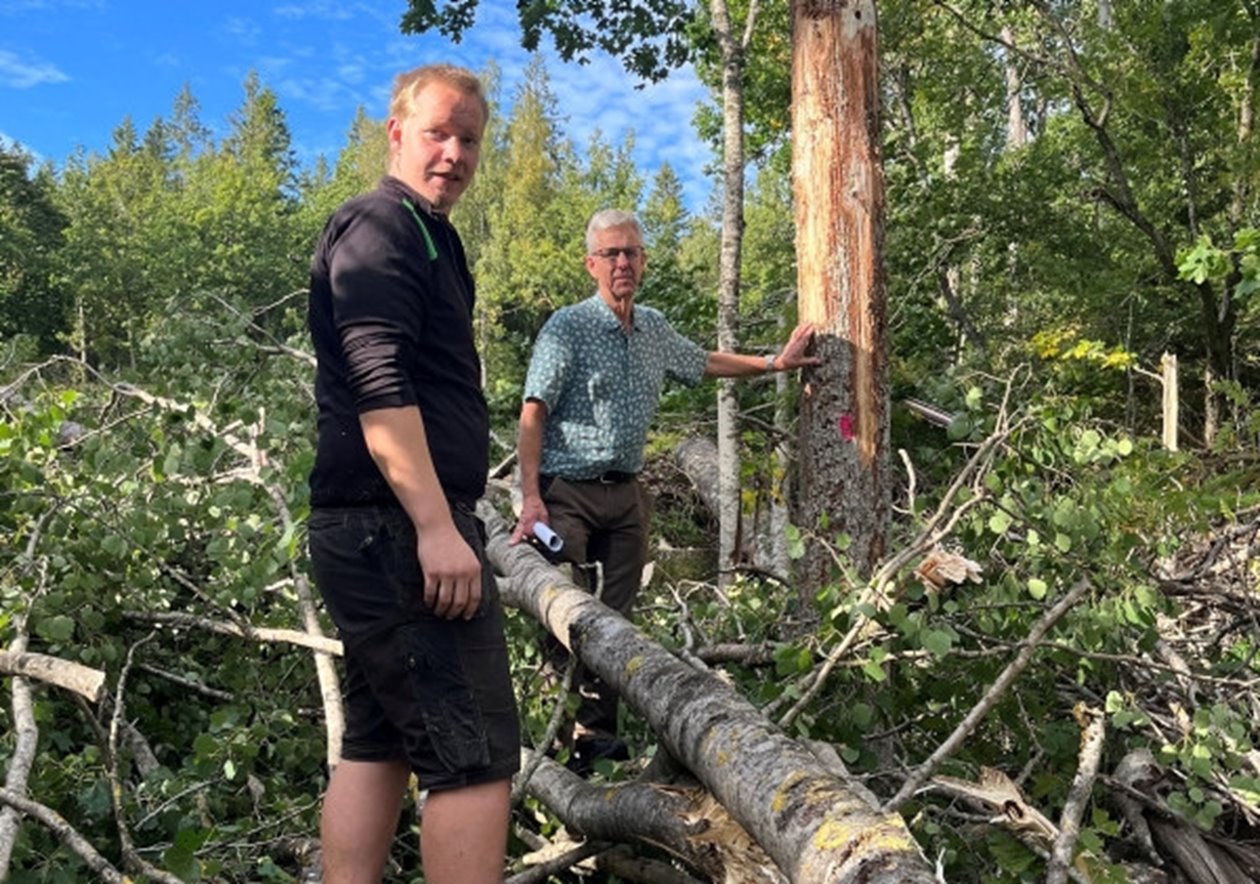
column 602, row 96
column 19, row 74
column 321, row 93
column 15, row 7
column 242, row 31
column 351, row 72
column 326, row 11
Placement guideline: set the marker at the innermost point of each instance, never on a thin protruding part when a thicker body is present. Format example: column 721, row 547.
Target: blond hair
column 409, row 84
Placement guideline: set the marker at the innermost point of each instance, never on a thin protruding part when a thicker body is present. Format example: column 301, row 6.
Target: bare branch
column 66, row 833
column 254, row 633
column 189, row 684
column 989, row 700
column 544, row 870
column 25, row 727
column 131, row 857
column 76, row 677
column 1093, row 724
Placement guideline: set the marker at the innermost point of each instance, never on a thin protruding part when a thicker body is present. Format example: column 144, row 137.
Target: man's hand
column 452, row 573
column 396, row 439
column 532, row 510
column 793, row 355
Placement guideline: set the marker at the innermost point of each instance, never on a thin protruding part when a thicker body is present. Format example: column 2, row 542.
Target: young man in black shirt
column 396, row 550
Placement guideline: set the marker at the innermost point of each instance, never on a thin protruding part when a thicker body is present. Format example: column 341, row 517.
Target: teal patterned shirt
column 602, row 386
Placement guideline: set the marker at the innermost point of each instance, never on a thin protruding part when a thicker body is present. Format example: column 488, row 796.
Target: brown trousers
column 605, row 523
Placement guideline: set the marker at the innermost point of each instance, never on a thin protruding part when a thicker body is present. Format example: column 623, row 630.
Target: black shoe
column 589, row 749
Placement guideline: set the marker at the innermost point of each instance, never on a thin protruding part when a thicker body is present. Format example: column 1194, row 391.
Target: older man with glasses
column 593, row 387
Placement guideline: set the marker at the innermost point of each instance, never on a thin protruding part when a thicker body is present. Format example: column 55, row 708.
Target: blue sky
column 72, row 70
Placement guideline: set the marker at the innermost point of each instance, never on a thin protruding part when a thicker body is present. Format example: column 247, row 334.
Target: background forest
column 1072, row 197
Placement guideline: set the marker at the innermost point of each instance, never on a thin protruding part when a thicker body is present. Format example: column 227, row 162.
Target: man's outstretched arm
column 738, row 365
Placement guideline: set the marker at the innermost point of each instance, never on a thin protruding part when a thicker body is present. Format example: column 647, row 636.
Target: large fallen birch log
column 813, row 825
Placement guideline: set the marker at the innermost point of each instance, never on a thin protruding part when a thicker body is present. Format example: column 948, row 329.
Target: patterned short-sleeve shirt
column 602, row 386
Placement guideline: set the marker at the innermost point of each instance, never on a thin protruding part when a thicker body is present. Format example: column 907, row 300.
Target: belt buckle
column 608, row 477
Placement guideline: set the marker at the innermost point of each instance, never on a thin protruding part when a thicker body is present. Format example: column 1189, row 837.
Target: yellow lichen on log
column 833, row 834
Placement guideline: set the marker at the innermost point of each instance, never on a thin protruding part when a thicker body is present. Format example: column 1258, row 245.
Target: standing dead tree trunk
column 837, row 178
column 814, row 826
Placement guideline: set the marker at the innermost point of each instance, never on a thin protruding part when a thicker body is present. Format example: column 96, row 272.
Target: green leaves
column 648, row 37
column 872, row 667
column 55, row 630
column 791, row 660
column 1202, row 262
column 1205, row 262
column 999, row 522
column 1123, row 713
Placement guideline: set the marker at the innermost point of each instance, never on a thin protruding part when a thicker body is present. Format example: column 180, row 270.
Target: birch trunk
column 1016, row 124
column 697, row 457
column 837, row 178
column 1104, row 14
column 83, row 680
column 728, row 282
column 781, row 492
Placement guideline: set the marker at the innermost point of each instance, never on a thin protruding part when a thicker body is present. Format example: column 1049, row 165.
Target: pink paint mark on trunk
column 844, row 424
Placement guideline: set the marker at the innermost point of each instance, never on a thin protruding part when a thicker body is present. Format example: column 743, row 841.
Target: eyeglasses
column 632, row 253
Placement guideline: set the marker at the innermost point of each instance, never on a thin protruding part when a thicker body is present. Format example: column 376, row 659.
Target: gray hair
column 606, row 219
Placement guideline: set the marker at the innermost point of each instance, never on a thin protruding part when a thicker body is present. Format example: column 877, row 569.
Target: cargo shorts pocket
column 452, row 719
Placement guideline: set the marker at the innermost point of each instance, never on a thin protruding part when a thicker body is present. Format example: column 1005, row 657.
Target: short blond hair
column 409, row 84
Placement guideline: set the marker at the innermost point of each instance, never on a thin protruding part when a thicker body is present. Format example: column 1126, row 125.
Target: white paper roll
column 547, row 537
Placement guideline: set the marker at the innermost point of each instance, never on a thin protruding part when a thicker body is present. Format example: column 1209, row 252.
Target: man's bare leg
column 360, row 816
column 463, row 835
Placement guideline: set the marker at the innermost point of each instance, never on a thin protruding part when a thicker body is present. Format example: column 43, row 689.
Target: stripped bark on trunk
column 837, row 178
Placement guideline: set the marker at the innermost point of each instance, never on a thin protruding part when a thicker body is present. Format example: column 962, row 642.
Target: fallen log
column 697, row 457
column 813, row 825
column 681, row 820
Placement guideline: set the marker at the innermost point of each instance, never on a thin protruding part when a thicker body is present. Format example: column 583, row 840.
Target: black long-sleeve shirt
column 390, row 316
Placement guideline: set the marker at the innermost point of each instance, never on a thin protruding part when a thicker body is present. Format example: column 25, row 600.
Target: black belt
column 608, row 477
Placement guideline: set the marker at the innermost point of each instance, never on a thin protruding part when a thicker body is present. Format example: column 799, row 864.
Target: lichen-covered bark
column 682, row 821
column 812, row 824
column 837, row 175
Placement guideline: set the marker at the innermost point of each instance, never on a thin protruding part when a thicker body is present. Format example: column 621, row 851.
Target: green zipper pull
column 428, row 240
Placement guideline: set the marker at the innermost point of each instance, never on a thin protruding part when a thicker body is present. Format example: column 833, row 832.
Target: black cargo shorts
column 435, row 692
